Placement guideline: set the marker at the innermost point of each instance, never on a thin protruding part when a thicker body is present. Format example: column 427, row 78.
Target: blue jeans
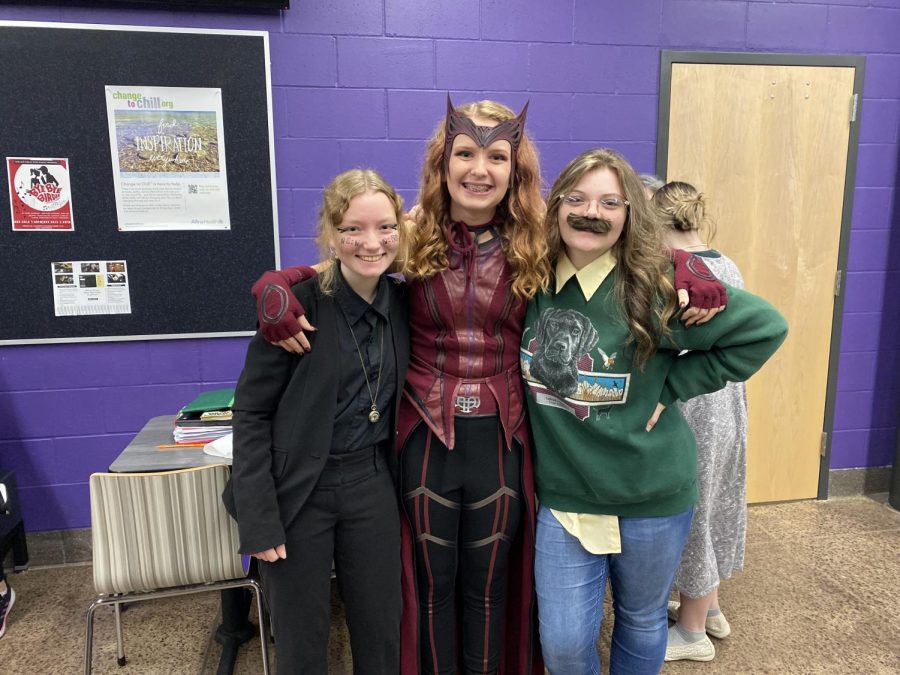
column 571, row 583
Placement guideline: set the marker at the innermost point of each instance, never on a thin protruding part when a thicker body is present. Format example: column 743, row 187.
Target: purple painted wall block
column 337, row 113
column 56, row 507
column 172, row 361
column 786, row 27
column 306, row 163
column 617, row 21
column 862, row 447
column 526, row 20
column 76, row 457
column 44, row 414
column 866, row 409
column 338, row 17
column 298, row 251
column 279, row 113
column 882, row 76
column 221, row 360
column 877, row 165
column 246, row 19
column 864, row 291
column 572, row 68
column 481, row 65
column 614, row 118
column 869, row 250
column 385, row 62
column 306, row 212
column 120, row 15
column 415, row 114
column 303, row 60
column 857, row 371
column 32, row 461
column 880, row 120
column 458, row 19
column 398, row 161
column 861, row 332
column 127, row 409
column 286, row 218
column 858, row 29
column 872, row 208
column 722, row 24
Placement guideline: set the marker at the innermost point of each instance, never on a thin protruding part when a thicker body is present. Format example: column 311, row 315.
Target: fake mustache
column 582, row 224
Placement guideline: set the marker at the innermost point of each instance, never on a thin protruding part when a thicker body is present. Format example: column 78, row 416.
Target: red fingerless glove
column 277, row 308
column 691, row 273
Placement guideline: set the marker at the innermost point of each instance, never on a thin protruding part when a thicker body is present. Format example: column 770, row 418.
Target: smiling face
column 366, row 241
column 592, row 215
column 477, row 178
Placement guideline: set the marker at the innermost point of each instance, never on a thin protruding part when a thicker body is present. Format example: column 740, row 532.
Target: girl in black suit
column 313, row 477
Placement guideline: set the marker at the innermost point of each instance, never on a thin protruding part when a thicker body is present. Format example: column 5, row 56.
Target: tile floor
column 820, row 594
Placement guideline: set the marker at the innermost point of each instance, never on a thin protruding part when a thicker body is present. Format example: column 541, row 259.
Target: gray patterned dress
column 715, row 546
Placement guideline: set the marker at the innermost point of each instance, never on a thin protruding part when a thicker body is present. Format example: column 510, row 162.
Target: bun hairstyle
column 682, row 207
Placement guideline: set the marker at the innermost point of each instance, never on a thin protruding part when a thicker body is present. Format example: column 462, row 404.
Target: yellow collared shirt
column 599, row 534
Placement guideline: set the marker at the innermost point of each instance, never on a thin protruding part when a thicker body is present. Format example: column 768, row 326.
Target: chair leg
column 89, row 638
column 263, row 641
column 120, row 642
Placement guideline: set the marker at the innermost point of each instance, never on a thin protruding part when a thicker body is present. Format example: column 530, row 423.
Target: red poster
column 40, row 197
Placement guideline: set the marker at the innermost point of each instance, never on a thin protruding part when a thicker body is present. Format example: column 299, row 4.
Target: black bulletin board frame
column 183, row 284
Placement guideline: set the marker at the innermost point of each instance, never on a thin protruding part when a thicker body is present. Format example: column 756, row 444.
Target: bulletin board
column 54, row 105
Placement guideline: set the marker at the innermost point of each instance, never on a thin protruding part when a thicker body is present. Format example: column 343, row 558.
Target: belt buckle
column 467, row 404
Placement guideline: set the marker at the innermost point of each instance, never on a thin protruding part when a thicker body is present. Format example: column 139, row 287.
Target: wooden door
column 767, row 145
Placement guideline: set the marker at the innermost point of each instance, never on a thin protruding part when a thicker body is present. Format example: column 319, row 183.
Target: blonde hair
column 643, row 291
column 521, row 211
column 682, row 207
column 336, row 198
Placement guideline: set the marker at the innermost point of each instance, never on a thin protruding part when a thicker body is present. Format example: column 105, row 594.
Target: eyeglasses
column 606, row 202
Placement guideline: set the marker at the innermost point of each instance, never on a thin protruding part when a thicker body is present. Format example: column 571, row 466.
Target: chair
column 158, row 535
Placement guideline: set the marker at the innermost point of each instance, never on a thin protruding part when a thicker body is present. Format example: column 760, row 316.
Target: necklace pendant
column 374, row 415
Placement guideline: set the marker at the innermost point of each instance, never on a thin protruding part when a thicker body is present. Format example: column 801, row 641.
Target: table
column 144, row 455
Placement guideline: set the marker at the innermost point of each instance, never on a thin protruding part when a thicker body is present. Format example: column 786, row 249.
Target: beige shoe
column 701, row 650
column 717, row 625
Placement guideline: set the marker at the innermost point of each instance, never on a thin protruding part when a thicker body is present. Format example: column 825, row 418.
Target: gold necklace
column 374, row 415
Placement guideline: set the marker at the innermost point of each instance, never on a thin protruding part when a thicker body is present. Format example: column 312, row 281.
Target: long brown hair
column 643, row 291
column 336, row 198
column 521, row 211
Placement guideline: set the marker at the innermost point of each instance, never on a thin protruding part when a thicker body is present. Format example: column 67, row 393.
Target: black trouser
column 351, row 517
column 464, row 506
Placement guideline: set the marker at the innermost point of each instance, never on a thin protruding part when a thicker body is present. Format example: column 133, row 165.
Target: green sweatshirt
column 589, row 404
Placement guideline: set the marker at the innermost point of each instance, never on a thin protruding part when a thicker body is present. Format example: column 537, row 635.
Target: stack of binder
column 206, row 418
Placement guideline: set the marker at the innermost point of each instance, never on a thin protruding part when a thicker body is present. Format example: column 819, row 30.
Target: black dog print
column 563, row 336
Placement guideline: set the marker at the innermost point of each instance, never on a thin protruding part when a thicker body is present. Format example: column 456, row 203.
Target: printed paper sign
column 39, row 194
column 83, row 287
column 168, row 158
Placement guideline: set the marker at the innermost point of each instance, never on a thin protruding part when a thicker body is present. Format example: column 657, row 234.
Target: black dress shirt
column 370, row 325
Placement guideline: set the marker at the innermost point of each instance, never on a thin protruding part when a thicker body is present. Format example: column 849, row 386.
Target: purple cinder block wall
column 362, row 82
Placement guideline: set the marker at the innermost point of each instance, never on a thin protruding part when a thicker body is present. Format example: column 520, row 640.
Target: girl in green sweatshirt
column 601, row 354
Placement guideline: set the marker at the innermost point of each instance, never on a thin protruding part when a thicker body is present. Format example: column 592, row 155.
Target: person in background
column 7, row 600
column 601, row 354
column 313, row 442
column 715, row 545
column 652, row 183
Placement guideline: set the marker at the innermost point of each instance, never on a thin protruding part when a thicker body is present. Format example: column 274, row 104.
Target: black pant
column 464, row 506
column 351, row 517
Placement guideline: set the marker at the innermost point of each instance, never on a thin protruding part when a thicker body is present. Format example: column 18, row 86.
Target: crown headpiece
column 508, row 130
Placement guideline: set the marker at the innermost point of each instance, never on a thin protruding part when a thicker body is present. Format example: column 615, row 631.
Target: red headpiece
column 508, row 130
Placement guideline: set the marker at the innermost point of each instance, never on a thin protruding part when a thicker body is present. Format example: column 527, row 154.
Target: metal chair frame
column 132, row 594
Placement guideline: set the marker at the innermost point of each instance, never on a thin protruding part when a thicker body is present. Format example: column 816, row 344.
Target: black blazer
column 284, row 409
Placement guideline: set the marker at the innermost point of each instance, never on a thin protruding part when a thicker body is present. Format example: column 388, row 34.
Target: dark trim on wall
column 858, row 63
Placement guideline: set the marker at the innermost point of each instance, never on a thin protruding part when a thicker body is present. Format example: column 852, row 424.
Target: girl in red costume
column 478, row 254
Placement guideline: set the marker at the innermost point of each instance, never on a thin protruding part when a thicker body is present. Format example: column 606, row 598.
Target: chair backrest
column 158, row 530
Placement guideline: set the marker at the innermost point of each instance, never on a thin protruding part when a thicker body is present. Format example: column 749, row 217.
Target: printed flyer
column 39, row 194
column 168, row 158
column 83, row 287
